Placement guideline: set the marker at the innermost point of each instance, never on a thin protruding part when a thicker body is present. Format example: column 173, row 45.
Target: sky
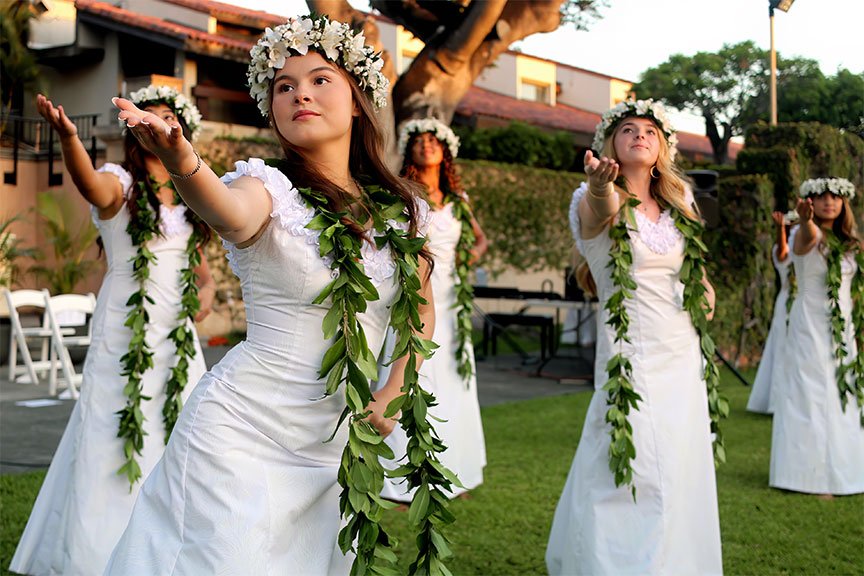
column 634, row 35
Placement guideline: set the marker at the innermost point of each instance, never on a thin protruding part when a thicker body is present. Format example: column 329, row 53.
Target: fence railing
column 36, row 136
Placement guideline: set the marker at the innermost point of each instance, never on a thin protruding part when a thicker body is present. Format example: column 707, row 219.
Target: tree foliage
column 716, row 86
column 18, row 66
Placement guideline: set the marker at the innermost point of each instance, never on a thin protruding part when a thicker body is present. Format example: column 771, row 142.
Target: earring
column 654, row 173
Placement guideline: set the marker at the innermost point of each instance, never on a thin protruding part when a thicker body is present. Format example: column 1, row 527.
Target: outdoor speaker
column 706, row 196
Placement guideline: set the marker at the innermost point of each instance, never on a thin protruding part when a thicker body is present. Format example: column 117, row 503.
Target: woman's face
column 827, row 206
column 312, row 102
column 426, row 150
column 163, row 111
column 637, row 142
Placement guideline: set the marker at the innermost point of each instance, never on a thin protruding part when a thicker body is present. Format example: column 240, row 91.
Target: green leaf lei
column 792, row 283
column 142, row 229
column 350, row 360
column 464, row 290
column 691, row 274
column 621, row 395
column 848, row 386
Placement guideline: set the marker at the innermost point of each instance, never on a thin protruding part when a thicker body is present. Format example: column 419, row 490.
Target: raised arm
column 808, row 233
column 393, row 387
column 782, row 246
column 236, row 212
column 101, row 189
column 601, row 202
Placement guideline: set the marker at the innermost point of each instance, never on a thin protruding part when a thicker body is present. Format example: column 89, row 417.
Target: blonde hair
column 668, row 188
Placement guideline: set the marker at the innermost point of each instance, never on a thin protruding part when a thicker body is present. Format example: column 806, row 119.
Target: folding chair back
column 19, row 335
column 56, row 309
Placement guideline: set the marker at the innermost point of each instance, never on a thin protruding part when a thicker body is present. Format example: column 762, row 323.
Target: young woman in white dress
column 647, row 502
column 817, row 442
column 456, row 240
column 772, row 365
column 84, row 503
column 325, row 243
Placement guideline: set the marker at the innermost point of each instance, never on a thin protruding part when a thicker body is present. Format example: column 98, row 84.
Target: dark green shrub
column 740, row 266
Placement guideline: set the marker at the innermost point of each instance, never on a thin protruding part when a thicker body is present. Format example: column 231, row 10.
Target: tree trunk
column 719, row 143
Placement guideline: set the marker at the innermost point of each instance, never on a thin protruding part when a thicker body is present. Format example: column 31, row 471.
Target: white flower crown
column 836, row 186
column 432, row 125
column 178, row 102
column 639, row 109
column 333, row 40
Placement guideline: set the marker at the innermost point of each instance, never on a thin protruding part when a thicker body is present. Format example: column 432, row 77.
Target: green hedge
column 518, row 143
column 818, row 150
column 523, row 211
column 780, row 164
column 740, row 266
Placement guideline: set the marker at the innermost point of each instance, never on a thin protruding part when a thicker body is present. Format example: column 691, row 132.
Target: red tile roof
column 197, row 41
column 231, row 13
column 561, row 117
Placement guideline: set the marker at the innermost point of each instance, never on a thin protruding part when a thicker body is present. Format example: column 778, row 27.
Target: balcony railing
column 36, row 136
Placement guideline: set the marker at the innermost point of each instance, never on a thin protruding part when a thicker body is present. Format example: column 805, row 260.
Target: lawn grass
column 502, row 528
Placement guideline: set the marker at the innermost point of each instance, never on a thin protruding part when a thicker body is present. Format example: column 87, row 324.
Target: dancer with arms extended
column 326, row 244
column 641, row 497
column 817, row 443
column 456, row 240
column 143, row 352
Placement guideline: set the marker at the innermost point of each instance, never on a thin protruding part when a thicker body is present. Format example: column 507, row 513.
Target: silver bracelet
column 190, row 174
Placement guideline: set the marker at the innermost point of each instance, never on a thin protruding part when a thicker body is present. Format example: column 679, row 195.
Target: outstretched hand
column 56, row 117
column 600, row 171
column 779, row 218
column 805, row 209
column 156, row 135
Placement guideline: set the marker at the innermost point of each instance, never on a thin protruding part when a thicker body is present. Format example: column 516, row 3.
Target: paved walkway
column 30, row 431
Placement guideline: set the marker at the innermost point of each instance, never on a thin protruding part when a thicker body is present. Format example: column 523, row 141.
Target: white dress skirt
column 770, row 373
column 84, row 505
column 816, row 447
column 673, row 526
column 248, row 483
column 458, row 406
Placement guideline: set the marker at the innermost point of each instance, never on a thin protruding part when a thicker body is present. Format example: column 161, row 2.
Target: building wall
column 172, row 12
column 591, row 92
column 500, row 77
column 535, row 71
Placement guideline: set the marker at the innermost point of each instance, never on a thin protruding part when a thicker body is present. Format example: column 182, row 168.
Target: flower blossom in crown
column 333, row 40
column 182, row 106
column 650, row 109
column 432, row 125
column 837, row 186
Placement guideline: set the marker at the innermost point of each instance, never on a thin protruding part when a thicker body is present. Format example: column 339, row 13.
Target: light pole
column 783, row 5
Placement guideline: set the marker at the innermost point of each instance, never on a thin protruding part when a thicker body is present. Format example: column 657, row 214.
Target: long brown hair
column 668, row 188
column 134, row 163
column 449, row 180
column 365, row 162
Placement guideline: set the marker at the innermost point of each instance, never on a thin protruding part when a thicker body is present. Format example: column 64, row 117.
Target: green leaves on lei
column 621, row 396
column 850, row 377
column 464, row 290
column 350, row 361
column 792, row 282
column 142, row 229
column 691, row 275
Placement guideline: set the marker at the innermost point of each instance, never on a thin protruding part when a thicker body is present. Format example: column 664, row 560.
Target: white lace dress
column 461, row 429
column 248, row 483
column 673, row 526
column 770, row 374
column 83, row 505
column 816, row 447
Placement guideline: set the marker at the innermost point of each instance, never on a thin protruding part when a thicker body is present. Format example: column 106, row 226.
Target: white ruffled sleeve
column 575, row 225
column 125, row 184
column 121, row 173
column 290, row 211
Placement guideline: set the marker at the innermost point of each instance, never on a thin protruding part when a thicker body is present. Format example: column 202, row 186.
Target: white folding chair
column 61, row 311
column 19, row 336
